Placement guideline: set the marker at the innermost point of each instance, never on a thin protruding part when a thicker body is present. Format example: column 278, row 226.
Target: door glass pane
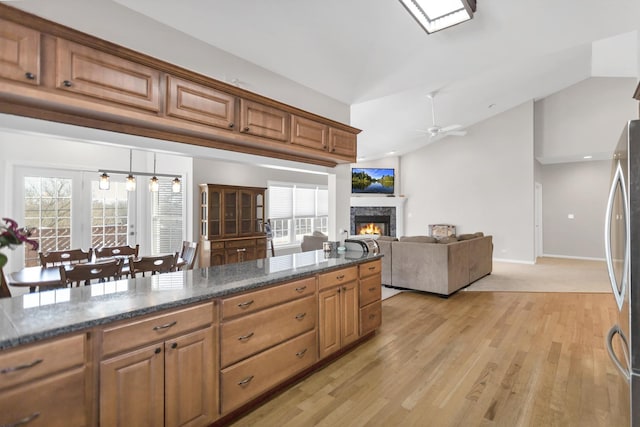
column 230, row 218
column 47, row 207
column 109, row 215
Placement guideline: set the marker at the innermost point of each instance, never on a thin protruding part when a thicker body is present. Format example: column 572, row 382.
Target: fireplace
column 374, row 219
column 372, row 224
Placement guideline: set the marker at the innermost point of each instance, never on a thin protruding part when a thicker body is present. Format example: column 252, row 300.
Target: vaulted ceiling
column 372, row 55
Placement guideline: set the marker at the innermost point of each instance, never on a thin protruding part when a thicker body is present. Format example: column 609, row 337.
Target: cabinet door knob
column 174, row 345
column 344, row 288
column 231, row 125
column 246, row 129
column 157, row 350
column 66, row 83
column 30, row 76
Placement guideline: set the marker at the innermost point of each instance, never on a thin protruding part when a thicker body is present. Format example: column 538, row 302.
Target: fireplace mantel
column 384, row 201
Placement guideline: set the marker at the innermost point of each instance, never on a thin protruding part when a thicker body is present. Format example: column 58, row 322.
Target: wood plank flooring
column 475, row 359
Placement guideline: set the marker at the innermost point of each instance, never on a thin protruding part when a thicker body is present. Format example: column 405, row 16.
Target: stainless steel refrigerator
column 622, row 252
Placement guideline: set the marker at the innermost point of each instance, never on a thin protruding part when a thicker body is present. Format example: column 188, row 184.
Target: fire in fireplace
column 373, row 224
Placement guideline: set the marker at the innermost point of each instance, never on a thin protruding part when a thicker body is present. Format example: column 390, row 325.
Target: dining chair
column 152, row 264
column 115, row 251
column 84, row 273
column 189, row 253
column 69, row 256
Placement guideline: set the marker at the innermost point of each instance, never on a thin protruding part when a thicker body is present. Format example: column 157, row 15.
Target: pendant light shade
column 176, row 185
column 104, row 181
column 154, row 184
column 130, row 184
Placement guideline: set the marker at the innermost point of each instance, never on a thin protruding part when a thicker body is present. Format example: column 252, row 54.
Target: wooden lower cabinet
column 338, row 317
column 370, row 277
column 245, row 380
column 166, row 376
column 46, row 384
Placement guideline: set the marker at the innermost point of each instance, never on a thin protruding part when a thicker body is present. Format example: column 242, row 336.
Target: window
column 166, row 219
column 109, row 215
column 296, row 210
column 47, row 207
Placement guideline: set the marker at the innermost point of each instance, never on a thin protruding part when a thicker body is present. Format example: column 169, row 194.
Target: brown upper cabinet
column 19, row 53
column 52, row 72
column 200, row 104
column 90, row 72
column 262, row 120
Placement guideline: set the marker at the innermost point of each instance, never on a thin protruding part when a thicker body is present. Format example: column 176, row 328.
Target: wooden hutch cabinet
column 231, row 224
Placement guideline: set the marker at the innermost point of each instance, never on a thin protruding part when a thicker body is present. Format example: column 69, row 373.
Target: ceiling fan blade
column 450, row 128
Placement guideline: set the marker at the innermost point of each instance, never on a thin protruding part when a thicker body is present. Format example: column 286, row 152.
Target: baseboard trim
column 573, row 257
column 514, row 261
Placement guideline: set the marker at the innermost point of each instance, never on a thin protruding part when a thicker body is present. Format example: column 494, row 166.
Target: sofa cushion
column 449, row 239
column 466, row 236
column 419, row 239
column 478, row 234
column 317, row 233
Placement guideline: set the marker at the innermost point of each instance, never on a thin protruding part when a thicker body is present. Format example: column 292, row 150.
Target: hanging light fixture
column 176, row 184
column 436, row 15
column 131, row 180
column 104, row 181
column 154, row 184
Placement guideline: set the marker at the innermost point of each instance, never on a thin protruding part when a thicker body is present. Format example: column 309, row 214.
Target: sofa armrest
column 387, row 251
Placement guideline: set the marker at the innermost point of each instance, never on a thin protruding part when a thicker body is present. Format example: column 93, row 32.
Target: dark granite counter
column 37, row 316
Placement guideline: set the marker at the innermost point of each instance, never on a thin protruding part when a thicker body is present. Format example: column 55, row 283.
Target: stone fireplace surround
column 381, row 205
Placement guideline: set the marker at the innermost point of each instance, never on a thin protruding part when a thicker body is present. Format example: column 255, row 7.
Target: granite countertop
column 37, row 316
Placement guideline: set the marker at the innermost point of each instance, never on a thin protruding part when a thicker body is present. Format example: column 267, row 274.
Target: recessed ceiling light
column 588, row 157
column 491, row 105
column 391, row 152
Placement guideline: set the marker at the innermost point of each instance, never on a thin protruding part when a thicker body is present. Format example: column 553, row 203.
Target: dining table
column 44, row 278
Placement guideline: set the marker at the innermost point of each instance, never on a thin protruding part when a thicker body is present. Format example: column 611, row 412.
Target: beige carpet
column 547, row 275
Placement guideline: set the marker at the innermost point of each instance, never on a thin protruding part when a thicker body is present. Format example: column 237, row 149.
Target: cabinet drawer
column 248, row 379
column 217, row 245
column 134, row 334
column 337, row 277
column 58, row 400
column 257, row 300
column 370, row 290
column 370, row 268
column 370, row 317
column 36, row 361
column 250, row 334
column 246, row 243
column 105, row 77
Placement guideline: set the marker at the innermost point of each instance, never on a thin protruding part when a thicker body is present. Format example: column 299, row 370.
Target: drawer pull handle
column 340, row 277
column 20, row 367
column 301, row 288
column 245, row 337
column 372, row 289
column 301, row 316
column 372, row 316
column 372, row 268
column 242, row 250
column 301, row 353
column 245, row 381
column 25, row 420
column 245, row 304
column 165, row 326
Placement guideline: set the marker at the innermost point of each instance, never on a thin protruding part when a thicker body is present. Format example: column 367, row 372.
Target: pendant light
column 175, row 185
column 104, row 181
column 154, row 184
column 131, row 180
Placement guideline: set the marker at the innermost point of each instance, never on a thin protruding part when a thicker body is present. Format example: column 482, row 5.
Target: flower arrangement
column 12, row 236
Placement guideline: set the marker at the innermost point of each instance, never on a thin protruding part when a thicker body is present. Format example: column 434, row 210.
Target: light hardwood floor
column 475, row 359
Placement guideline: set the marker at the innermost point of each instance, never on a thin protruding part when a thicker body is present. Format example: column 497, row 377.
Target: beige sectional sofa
column 437, row 266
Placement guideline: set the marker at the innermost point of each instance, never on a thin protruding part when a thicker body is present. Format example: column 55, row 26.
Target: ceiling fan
column 437, row 130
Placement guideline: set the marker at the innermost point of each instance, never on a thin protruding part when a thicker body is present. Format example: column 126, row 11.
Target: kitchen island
column 193, row 347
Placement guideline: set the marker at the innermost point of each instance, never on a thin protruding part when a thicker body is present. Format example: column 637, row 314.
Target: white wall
column 480, row 182
column 580, row 189
column 577, row 119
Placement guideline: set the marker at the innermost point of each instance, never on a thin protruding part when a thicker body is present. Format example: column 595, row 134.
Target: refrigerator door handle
column 612, row 332
column 618, row 292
